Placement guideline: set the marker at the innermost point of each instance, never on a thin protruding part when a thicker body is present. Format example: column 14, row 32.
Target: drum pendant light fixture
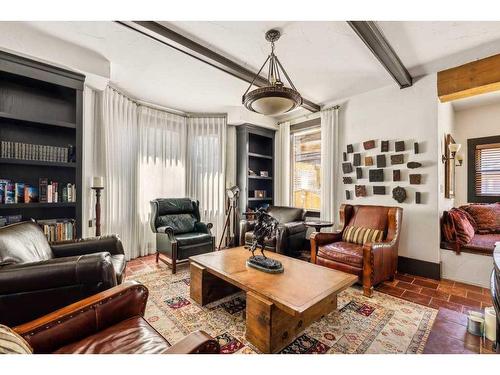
column 274, row 98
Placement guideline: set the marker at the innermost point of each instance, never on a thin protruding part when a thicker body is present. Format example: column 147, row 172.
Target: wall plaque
column 415, row 179
column 397, row 159
column 413, row 165
column 399, row 146
column 368, row 145
column 396, row 175
column 347, row 180
column 347, row 194
column 356, row 160
column 360, row 190
column 359, row 173
column 381, row 161
column 376, row 175
column 368, row 161
column 379, row 190
column 384, row 146
column 399, row 194
column 350, row 149
column 347, row 167
column 418, row 197
column 344, row 154
column 415, row 147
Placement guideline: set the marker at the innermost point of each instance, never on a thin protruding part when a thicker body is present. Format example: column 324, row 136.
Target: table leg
column 205, row 287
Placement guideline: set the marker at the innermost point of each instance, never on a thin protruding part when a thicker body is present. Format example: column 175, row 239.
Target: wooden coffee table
column 278, row 306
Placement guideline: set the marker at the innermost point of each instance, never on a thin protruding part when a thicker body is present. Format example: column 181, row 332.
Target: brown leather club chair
column 373, row 262
column 110, row 322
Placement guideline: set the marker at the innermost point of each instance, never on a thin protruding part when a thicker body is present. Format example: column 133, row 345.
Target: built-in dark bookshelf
column 41, row 105
column 255, row 152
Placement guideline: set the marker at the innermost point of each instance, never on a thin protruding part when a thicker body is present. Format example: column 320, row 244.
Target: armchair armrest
column 86, row 317
column 198, row 342
column 111, row 244
column 321, row 239
column 58, row 272
column 245, row 226
column 203, row 227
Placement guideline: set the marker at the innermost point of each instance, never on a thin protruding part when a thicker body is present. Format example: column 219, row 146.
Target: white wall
column 476, row 122
column 410, row 115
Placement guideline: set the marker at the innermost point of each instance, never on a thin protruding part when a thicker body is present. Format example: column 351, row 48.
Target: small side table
column 318, row 224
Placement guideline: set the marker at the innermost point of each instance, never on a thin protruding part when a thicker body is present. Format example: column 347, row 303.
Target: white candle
column 490, row 325
column 98, row 182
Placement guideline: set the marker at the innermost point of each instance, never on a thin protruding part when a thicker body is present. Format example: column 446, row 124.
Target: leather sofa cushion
column 286, row 214
column 296, row 227
column 131, row 336
column 119, row 263
column 180, row 223
column 169, row 206
column 193, row 238
column 374, row 217
column 269, row 243
column 23, row 243
column 360, row 236
column 342, row 252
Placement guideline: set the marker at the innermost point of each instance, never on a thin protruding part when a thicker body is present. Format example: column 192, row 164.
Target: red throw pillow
column 457, row 227
column 486, row 216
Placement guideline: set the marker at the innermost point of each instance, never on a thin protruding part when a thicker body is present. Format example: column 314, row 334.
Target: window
column 484, row 169
column 306, row 169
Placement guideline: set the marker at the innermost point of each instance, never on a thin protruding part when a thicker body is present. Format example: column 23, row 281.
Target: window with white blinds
column 306, row 169
column 487, row 169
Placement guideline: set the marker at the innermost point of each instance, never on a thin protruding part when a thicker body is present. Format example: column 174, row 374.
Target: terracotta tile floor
column 444, row 293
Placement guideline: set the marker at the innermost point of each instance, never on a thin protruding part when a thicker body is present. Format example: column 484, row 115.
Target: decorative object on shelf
column 381, row 163
column 71, row 153
column 360, row 190
column 413, row 165
column 368, row 161
column 350, row 149
column 97, row 186
column 347, row 180
column 399, row 194
column 359, row 173
column 415, row 147
column 399, row 146
column 251, row 173
column 379, row 190
column 29, row 151
column 356, row 160
column 376, row 175
column 368, row 145
column 397, row 159
column 260, row 193
column 347, row 167
column 264, row 174
column 347, row 195
column 265, row 228
column 415, row 179
column 450, row 159
column 344, row 156
column 384, row 146
column 418, row 197
column 274, row 98
column 396, row 175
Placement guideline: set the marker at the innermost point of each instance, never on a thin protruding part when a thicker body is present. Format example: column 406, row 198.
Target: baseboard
column 419, row 267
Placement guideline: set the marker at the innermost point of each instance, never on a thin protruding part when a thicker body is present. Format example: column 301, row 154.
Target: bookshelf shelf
column 37, row 121
column 260, row 199
column 262, row 156
column 260, row 178
column 37, row 205
column 37, row 162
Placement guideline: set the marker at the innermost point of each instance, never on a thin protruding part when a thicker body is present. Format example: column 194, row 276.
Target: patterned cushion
column 360, row 235
column 486, row 216
column 12, row 343
column 457, row 226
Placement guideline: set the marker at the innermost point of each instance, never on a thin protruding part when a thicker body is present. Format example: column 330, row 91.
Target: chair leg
column 174, row 259
column 368, row 292
column 157, row 256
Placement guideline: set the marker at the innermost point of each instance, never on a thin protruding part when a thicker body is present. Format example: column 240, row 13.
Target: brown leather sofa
column 110, row 322
column 291, row 233
column 371, row 262
column 37, row 277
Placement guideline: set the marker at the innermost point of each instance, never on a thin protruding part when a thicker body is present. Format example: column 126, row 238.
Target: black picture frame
column 471, row 172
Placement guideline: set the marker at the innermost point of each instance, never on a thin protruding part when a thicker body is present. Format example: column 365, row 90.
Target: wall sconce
column 453, row 148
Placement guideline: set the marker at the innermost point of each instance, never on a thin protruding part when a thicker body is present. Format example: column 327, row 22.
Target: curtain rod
column 309, row 115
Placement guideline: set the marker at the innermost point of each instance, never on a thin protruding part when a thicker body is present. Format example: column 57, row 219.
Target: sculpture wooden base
column 265, row 264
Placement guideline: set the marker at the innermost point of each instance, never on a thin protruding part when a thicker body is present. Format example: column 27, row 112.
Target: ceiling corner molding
column 173, row 39
column 371, row 35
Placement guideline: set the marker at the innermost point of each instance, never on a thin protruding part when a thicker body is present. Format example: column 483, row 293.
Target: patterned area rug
column 382, row 324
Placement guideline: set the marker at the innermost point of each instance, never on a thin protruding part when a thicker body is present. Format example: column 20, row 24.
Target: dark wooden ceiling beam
column 202, row 53
column 370, row 34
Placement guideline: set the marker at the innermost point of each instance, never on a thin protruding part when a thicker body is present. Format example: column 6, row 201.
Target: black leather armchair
column 291, row 234
column 179, row 232
column 37, row 277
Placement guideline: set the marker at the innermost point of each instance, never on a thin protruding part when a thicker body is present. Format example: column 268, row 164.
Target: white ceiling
column 325, row 60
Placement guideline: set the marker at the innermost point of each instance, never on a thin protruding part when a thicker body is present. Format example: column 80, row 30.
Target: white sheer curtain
column 162, row 166
column 282, row 166
column 330, row 161
column 120, row 157
column 206, row 164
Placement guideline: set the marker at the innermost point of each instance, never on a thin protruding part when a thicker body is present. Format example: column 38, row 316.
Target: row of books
column 45, row 192
column 10, row 219
column 27, row 151
column 58, row 229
